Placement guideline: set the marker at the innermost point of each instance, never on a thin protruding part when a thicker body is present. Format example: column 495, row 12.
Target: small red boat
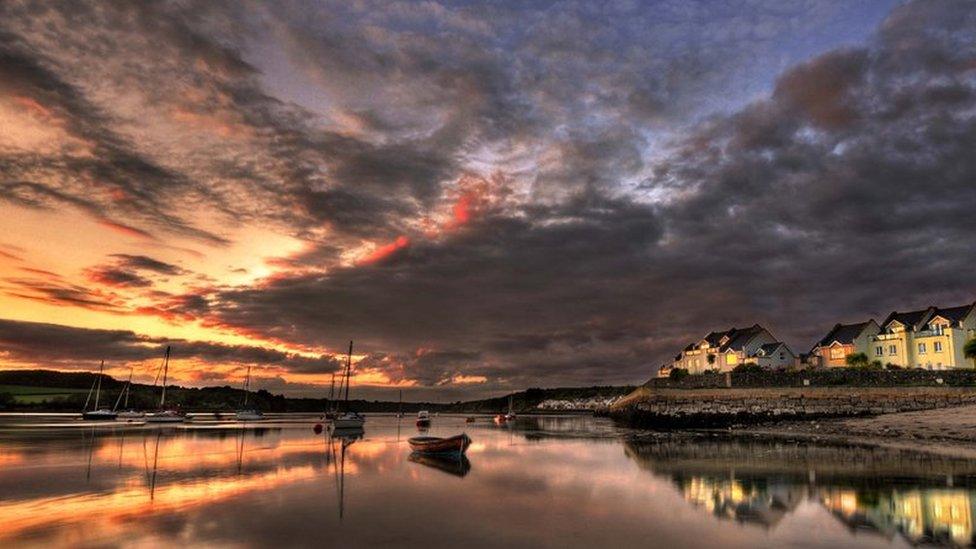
column 455, row 445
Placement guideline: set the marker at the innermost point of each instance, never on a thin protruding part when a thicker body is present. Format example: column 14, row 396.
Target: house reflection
column 922, row 516
column 761, row 483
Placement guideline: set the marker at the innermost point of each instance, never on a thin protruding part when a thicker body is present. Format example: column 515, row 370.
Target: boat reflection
column 457, row 466
column 339, row 441
column 923, row 499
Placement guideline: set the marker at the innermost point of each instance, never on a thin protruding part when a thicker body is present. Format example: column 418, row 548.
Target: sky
column 484, row 196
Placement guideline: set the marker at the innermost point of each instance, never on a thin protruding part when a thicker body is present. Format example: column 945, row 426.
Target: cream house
column 932, row 338
column 725, row 350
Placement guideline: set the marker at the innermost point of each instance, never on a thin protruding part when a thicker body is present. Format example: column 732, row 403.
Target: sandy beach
column 947, row 431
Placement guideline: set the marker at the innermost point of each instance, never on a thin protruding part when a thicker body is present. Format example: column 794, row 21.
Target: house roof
column 955, row 314
column 740, row 337
column 912, row 319
column 844, row 334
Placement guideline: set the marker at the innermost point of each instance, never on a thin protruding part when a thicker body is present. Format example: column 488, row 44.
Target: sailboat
column 348, row 419
column 163, row 415
column 245, row 413
column 331, row 414
column 127, row 414
column 510, row 416
column 97, row 413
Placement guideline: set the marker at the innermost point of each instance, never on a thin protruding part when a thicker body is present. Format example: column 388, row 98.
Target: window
column 731, row 358
column 837, row 352
column 921, row 348
column 937, row 347
column 879, row 351
column 892, row 350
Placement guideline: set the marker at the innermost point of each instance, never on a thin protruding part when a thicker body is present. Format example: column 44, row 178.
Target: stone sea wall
column 705, row 408
column 833, row 377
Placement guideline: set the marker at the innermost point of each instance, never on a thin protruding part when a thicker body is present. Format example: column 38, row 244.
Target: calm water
column 546, row 482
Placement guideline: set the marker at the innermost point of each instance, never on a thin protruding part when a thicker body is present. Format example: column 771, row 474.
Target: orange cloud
column 126, row 230
column 385, row 251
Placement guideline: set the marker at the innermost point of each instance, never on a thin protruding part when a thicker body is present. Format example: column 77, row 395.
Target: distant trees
column 856, row 360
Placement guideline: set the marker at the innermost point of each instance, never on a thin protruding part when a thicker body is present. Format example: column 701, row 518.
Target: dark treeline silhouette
column 226, row 398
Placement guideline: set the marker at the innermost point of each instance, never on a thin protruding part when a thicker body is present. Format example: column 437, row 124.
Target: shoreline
column 949, row 431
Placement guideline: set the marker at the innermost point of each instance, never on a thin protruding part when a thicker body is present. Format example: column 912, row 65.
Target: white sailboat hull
column 249, row 415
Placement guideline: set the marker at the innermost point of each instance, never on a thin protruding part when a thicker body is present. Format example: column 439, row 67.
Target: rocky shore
column 709, row 408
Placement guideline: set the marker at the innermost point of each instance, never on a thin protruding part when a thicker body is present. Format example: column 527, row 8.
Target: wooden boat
column 455, row 445
column 97, row 413
column 423, row 418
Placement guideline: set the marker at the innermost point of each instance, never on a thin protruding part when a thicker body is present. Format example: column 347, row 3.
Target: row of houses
column 931, row 338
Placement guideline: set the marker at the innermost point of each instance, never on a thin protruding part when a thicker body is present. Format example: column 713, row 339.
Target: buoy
column 318, row 429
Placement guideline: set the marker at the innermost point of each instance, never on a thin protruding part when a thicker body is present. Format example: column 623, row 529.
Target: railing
column 930, row 333
column 887, row 337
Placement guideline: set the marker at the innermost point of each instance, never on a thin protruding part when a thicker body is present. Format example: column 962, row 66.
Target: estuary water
column 540, row 482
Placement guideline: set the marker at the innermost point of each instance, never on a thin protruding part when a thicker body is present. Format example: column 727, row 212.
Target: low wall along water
column 719, row 400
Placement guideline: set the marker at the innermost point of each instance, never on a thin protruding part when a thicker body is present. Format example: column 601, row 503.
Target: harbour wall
column 707, row 408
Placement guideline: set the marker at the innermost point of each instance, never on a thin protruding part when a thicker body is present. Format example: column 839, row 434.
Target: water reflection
column 533, row 482
column 458, row 466
column 889, row 493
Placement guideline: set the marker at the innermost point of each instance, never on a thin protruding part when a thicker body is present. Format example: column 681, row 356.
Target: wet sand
column 946, row 431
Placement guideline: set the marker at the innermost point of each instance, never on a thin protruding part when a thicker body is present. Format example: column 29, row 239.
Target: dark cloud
column 70, row 347
column 657, row 171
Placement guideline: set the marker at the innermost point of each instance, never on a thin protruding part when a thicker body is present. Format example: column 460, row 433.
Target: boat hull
column 249, row 415
column 456, row 445
column 165, row 418
column 99, row 415
column 352, row 421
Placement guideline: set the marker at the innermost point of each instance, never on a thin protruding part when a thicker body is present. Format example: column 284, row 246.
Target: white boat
column 423, row 418
column 245, row 413
column 163, row 415
column 127, row 414
column 97, row 413
column 130, row 415
column 347, row 419
column 510, row 416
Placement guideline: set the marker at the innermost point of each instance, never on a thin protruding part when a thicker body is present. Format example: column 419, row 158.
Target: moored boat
column 164, row 415
column 348, row 419
column 245, row 413
column 97, row 413
column 423, row 418
column 455, row 445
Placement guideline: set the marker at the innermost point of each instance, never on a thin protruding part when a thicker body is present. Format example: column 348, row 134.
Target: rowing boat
column 455, row 445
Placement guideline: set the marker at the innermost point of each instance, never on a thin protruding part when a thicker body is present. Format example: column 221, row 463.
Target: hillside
column 49, row 390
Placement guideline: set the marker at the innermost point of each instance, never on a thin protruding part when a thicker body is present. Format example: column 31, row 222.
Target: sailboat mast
column 162, row 399
column 99, row 389
column 348, row 373
column 400, row 407
column 247, row 383
column 128, row 387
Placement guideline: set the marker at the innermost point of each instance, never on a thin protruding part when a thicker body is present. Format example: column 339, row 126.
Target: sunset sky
column 484, row 196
